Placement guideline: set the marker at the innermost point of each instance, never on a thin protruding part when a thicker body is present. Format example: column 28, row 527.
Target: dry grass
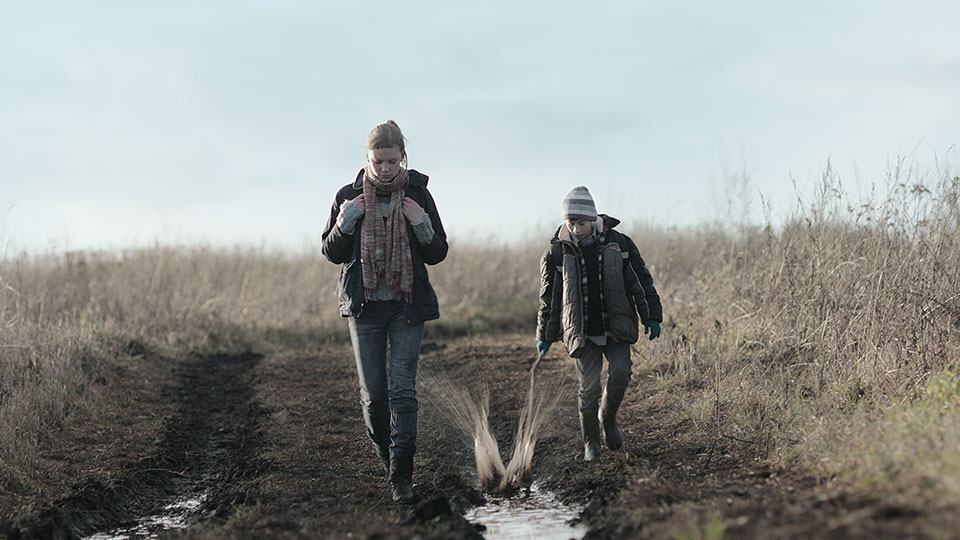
column 813, row 342
column 825, row 342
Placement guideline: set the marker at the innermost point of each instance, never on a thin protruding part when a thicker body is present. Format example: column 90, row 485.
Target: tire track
column 205, row 453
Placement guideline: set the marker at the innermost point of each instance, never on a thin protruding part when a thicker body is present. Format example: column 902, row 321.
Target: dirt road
column 273, row 446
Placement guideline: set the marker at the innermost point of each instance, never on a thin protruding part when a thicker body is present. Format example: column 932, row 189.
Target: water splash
column 486, row 451
column 468, row 409
column 519, row 472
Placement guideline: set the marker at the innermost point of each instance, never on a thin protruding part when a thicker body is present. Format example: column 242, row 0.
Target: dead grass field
column 828, row 343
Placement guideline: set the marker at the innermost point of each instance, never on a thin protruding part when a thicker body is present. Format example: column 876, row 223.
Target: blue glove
column 543, row 347
column 653, row 327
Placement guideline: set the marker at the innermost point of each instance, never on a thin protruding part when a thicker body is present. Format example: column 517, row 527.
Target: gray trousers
column 588, row 373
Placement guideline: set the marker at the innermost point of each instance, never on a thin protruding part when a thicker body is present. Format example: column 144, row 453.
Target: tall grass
column 817, row 341
column 821, row 340
column 43, row 377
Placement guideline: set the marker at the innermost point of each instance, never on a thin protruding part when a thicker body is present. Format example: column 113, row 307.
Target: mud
column 276, row 442
column 208, row 445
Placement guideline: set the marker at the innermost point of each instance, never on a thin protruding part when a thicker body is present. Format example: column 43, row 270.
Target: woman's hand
column 412, row 211
column 358, row 202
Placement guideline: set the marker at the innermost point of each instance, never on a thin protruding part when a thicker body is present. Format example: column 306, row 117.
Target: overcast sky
column 231, row 122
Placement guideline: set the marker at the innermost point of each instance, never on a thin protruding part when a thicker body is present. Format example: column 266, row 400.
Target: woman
column 384, row 227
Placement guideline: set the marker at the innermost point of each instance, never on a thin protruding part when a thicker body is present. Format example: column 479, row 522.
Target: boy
column 594, row 290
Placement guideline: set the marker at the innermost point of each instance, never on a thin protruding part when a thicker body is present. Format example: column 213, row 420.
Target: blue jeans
column 588, row 373
column 389, row 398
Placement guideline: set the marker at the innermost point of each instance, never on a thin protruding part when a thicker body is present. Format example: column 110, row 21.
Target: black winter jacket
column 628, row 290
column 340, row 248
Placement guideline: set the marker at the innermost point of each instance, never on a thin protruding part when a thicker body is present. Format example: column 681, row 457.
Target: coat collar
column 603, row 223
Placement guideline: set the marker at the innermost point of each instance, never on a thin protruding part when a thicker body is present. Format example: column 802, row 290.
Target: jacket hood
column 609, row 222
column 604, row 222
column 416, row 178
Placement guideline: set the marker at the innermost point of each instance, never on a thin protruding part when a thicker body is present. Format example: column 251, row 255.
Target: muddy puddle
column 534, row 514
column 203, row 454
column 530, row 512
column 176, row 515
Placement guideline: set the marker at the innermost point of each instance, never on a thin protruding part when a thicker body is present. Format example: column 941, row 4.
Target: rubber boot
column 590, row 427
column 401, row 479
column 402, row 449
column 608, row 417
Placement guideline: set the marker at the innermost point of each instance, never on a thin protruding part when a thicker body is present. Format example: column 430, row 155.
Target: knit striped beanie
column 578, row 204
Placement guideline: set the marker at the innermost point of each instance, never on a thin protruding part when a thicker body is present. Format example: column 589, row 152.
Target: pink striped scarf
column 384, row 243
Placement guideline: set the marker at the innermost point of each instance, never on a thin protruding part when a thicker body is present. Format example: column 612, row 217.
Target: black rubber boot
column 590, row 428
column 608, row 417
column 401, row 479
column 402, row 493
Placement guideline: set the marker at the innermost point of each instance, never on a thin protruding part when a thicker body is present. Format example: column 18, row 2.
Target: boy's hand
column 653, row 328
column 543, row 347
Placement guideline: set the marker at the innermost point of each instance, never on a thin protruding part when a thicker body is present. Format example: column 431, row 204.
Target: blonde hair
column 388, row 135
